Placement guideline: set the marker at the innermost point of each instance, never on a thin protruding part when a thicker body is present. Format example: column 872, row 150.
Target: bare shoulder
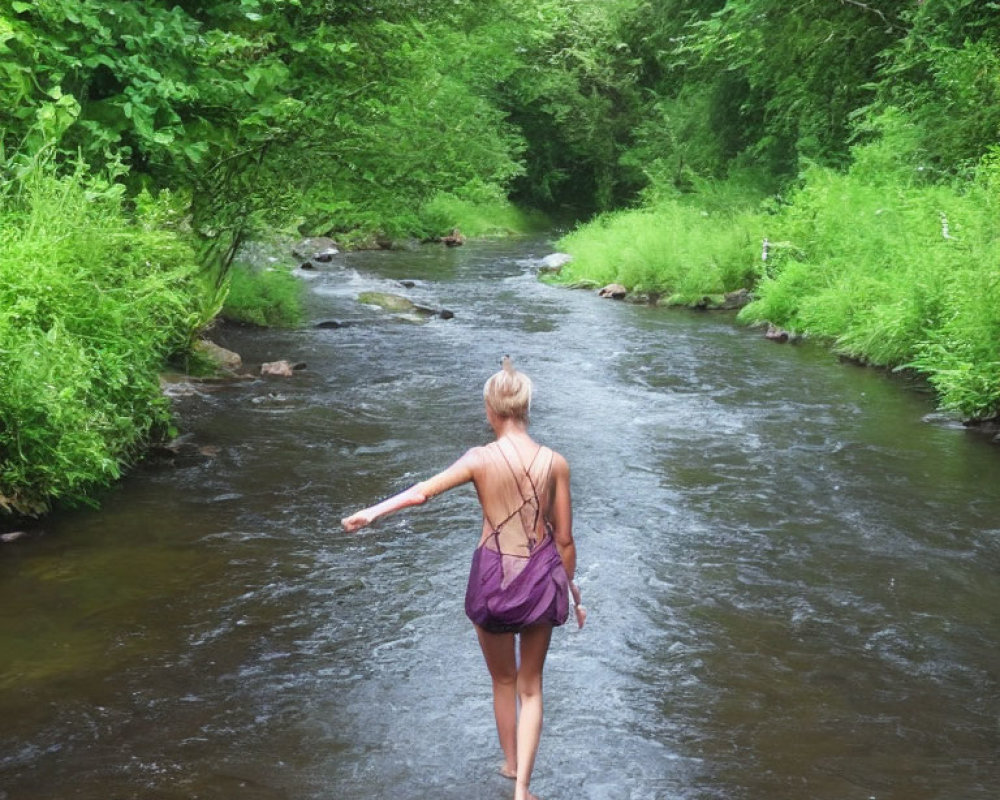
column 477, row 453
column 474, row 457
column 560, row 466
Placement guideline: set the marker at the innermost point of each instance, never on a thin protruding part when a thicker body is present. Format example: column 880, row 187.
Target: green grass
column 269, row 296
column 866, row 265
column 673, row 248
column 889, row 268
column 93, row 301
column 478, row 218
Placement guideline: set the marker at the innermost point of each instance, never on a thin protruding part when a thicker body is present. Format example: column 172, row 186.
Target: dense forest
column 838, row 158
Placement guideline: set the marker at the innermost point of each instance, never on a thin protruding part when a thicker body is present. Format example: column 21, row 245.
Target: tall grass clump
column 674, row 248
column 477, row 217
column 961, row 355
column 894, row 271
column 93, row 301
column 269, row 296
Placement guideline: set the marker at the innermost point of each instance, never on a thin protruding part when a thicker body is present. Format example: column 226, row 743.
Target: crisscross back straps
column 536, row 505
column 532, row 499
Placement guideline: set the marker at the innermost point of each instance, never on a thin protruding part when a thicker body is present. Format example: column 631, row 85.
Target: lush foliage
column 675, row 248
column 864, row 125
column 324, row 115
column 894, row 273
column 480, row 217
column 874, row 126
column 92, row 303
column 269, row 296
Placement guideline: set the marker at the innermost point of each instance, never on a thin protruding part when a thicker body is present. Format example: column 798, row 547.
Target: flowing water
column 792, row 570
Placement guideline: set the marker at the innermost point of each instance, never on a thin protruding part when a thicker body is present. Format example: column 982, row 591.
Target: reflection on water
column 792, row 579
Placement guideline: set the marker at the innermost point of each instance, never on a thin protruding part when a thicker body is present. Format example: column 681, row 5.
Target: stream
column 791, row 566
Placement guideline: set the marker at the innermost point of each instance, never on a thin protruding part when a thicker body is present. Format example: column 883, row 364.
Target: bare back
column 515, row 489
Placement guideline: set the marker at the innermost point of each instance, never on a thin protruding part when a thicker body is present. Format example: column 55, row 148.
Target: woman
column 524, row 563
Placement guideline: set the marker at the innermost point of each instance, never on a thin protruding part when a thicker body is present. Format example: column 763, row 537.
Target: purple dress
column 518, row 579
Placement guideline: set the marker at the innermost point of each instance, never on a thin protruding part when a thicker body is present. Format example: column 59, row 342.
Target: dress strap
column 518, row 480
column 527, row 471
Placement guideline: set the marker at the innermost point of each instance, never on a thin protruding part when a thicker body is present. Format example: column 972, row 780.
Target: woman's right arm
column 458, row 473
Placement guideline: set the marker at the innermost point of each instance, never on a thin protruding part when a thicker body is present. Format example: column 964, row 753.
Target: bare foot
column 507, row 772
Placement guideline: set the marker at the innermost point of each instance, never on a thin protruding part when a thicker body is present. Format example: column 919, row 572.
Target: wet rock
column 990, row 425
column 854, row 361
column 181, row 451
column 220, row 356
column 279, row 369
column 312, row 248
column 734, row 300
column 553, row 263
column 407, row 284
column 776, row 334
column 453, row 239
column 307, row 265
column 444, row 313
column 730, row 301
column 181, row 447
column 388, row 301
column 178, row 386
column 402, row 307
column 329, row 324
column 613, row 290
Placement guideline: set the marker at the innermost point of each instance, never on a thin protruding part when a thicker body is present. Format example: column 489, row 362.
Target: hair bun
column 508, row 392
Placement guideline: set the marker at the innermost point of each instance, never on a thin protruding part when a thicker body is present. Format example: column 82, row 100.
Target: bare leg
column 534, row 647
column 501, row 661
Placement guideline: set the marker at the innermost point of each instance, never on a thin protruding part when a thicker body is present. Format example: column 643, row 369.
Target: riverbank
column 99, row 300
column 94, row 300
column 892, row 273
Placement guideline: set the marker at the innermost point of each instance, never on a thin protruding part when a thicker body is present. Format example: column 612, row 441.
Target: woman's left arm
column 562, row 515
column 458, row 473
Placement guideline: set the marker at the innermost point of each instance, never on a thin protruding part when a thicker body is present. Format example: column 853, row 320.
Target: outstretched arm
column 458, row 473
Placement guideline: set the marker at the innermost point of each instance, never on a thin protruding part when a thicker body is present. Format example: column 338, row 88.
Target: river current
column 792, row 569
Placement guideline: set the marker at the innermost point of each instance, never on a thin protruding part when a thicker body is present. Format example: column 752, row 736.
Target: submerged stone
column 388, row 301
column 319, row 248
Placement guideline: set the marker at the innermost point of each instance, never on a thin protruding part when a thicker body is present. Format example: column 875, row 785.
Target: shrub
column 92, row 303
column 270, row 297
column 674, row 247
column 476, row 216
column 894, row 272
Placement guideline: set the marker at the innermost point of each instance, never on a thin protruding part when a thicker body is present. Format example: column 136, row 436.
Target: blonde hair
column 508, row 392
